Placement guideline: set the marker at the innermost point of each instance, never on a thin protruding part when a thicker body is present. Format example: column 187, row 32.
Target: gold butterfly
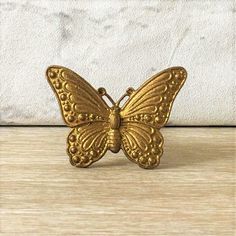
column 134, row 128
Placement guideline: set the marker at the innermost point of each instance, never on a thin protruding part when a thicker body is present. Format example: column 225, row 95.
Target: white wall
column 117, row 44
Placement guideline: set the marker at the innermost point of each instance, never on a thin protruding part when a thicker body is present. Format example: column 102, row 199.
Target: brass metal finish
column 134, row 128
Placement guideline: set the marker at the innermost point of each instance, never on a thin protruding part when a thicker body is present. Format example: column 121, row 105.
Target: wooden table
column 191, row 193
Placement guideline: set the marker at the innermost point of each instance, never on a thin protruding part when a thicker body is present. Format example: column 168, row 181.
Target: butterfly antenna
column 129, row 92
column 103, row 92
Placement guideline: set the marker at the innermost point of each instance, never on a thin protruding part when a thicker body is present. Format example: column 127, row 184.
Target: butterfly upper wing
column 151, row 103
column 145, row 112
column 80, row 103
column 87, row 143
column 82, row 108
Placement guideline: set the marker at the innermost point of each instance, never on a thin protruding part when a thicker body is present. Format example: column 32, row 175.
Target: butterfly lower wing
column 152, row 102
column 80, row 103
column 142, row 144
column 87, row 143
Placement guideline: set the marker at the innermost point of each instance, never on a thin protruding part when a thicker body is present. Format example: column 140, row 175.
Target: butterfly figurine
column 97, row 127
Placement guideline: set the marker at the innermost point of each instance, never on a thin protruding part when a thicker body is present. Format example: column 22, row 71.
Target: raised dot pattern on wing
column 78, row 101
column 153, row 102
column 87, row 144
column 142, row 144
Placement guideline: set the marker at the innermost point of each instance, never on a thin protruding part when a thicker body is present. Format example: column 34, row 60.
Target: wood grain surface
column 191, row 193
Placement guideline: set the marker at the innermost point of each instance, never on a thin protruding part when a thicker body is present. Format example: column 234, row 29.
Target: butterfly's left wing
column 84, row 110
column 145, row 112
column 80, row 103
column 87, row 143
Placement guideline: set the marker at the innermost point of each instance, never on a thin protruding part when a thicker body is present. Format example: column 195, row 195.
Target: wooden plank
column 191, row 193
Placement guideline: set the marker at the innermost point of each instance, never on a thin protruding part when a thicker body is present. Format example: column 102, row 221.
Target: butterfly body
column 114, row 137
column 134, row 127
column 114, row 117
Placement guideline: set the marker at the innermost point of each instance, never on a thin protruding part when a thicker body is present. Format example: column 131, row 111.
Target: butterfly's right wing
column 142, row 144
column 87, row 143
column 80, row 103
column 151, row 103
column 145, row 112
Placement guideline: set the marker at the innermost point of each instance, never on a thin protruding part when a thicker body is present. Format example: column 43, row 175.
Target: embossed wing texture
column 80, row 103
column 151, row 103
column 146, row 111
column 82, row 107
column 97, row 127
column 142, row 144
column 87, row 144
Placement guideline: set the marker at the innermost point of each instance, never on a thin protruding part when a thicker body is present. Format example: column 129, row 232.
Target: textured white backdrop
column 117, row 44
